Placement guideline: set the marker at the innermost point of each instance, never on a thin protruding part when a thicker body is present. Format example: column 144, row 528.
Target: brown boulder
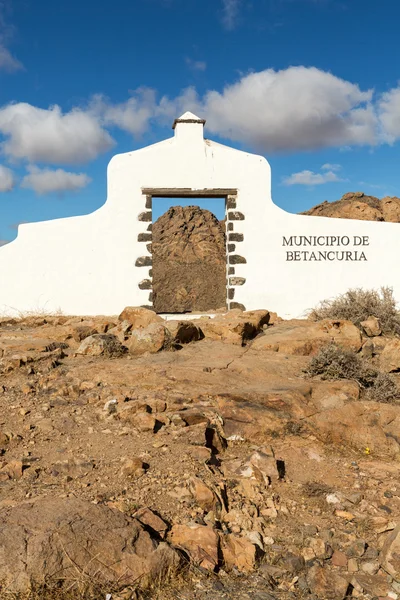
column 238, row 553
column 202, row 494
column 326, row 584
column 133, row 467
column 12, row 470
column 150, row 520
column 151, row 338
column 235, row 327
column 200, row 541
column 306, row 337
column 183, row 332
column 371, row 326
column 390, row 554
column 139, row 317
column 259, row 466
column 52, row 540
column 143, row 421
column 359, row 425
column 389, row 359
column 82, row 330
column 101, row 344
column 121, row 331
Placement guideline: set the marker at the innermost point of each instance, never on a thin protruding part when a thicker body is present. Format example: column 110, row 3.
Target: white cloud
column 8, row 62
column 389, row 114
column 132, row 116
column 331, row 167
column 48, row 135
column 46, row 181
column 7, row 181
column 196, row 65
column 230, row 13
column 298, row 108
column 311, row 178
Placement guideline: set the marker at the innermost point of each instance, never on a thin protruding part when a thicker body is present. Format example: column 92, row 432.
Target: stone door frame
column 233, row 236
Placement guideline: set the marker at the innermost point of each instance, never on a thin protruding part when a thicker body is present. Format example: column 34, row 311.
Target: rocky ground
column 357, row 205
column 194, row 460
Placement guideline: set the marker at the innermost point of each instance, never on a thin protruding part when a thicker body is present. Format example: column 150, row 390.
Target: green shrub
column 357, row 305
column 334, row 362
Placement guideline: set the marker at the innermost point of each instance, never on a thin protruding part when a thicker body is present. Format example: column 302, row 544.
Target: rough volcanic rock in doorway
column 189, row 261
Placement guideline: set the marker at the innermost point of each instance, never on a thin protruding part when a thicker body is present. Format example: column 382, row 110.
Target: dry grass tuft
column 357, row 305
column 334, row 362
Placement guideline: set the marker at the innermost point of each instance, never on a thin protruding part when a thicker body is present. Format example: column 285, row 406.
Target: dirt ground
column 69, row 427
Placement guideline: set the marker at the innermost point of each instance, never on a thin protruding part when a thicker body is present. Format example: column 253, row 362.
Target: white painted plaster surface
column 86, row 264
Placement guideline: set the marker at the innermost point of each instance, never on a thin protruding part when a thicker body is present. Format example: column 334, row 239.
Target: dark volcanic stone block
column 237, row 305
column 145, row 216
column 144, row 237
column 237, row 280
column 235, row 216
column 143, row 261
column 236, row 259
column 236, row 237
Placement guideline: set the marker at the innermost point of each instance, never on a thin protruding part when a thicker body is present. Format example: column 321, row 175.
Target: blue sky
column 313, row 85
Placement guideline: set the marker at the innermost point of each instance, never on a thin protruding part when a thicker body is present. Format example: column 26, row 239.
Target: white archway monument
column 100, row 263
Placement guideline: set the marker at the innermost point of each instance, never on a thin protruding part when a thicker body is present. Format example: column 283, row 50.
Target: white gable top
column 101, row 262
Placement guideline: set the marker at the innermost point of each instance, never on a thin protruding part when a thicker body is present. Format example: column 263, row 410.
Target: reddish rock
column 56, row 538
column 200, row 542
column 183, row 332
column 133, row 467
column 389, row 359
column 339, row 559
column 235, row 327
column 139, row 317
column 390, row 554
column 327, row 584
column 238, row 553
column 305, row 338
column 144, row 421
column 371, row 326
column 202, row 494
column 149, row 519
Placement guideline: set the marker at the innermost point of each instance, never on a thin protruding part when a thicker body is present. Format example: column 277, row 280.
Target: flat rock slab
column 65, row 539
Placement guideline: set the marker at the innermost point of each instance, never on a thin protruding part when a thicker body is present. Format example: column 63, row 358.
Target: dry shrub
column 357, row 305
column 384, row 389
column 334, row 362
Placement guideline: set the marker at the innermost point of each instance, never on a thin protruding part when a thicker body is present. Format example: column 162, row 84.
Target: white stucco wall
column 86, row 265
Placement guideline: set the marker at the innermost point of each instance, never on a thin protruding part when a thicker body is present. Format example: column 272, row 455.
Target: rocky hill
column 189, row 261
column 357, row 205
